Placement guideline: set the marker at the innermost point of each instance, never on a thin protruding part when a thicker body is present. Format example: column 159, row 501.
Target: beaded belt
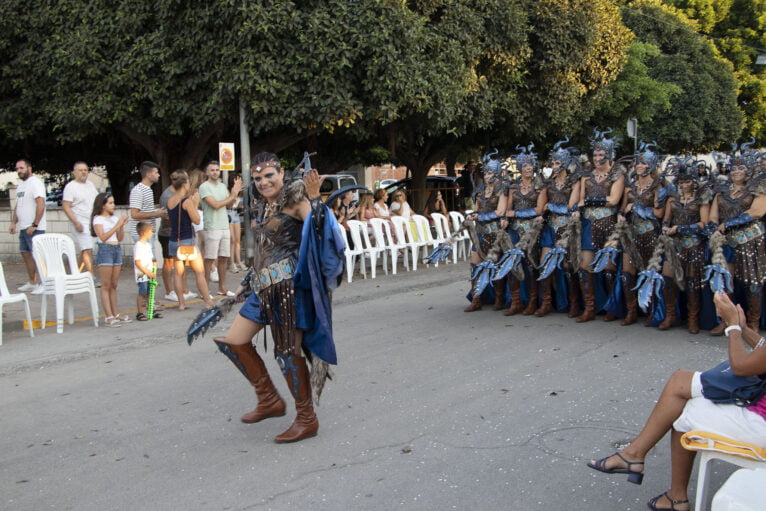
column 523, row 225
column 273, row 274
column 744, row 234
column 688, row 242
column 487, row 228
column 558, row 221
column 597, row 213
column 641, row 226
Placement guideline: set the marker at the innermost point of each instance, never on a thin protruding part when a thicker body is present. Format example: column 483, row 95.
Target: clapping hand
column 726, row 310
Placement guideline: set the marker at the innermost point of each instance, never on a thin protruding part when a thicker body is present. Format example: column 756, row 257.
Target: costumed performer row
column 298, row 261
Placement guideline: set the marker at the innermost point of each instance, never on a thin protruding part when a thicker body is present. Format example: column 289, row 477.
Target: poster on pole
column 226, row 155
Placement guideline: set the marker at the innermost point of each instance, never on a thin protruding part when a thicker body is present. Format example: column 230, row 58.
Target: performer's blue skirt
column 253, row 311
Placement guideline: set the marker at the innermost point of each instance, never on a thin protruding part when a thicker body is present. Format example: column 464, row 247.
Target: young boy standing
column 143, row 261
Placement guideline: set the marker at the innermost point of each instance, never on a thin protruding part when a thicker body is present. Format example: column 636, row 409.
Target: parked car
column 54, row 198
column 333, row 182
column 447, row 184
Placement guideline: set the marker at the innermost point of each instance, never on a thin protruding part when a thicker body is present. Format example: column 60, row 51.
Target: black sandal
column 157, row 315
column 633, row 477
column 653, row 503
column 141, row 317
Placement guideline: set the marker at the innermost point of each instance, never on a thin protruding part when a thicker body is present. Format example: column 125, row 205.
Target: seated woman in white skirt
column 682, row 408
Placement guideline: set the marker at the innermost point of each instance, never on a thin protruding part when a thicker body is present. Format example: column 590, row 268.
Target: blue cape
column 320, row 263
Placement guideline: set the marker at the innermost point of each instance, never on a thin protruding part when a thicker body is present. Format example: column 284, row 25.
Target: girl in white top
column 109, row 230
column 380, row 207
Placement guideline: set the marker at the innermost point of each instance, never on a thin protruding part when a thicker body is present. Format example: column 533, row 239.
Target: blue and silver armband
column 526, row 213
column 741, row 219
column 487, row 217
column 559, row 209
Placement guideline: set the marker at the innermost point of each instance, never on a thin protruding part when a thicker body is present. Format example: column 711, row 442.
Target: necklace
column 269, row 209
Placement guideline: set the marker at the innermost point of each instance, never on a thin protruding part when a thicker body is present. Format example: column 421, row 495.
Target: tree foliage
column 705, row 114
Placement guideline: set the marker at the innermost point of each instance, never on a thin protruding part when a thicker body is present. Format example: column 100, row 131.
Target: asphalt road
column 431, row 408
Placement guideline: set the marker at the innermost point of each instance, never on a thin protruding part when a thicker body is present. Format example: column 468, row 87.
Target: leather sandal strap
column 629, row 463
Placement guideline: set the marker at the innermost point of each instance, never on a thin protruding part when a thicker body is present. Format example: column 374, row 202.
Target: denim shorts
column 25, row 240
column 234, row 217
column 143, row 288
column 174, row 244
column 109, row 255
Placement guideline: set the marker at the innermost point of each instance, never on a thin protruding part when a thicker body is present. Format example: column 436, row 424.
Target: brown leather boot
column 547, row 303
column 754, row 306
column 609, row 277
column 588, row 297
column 631, row 298
column 574, row 296
column 671, row 296
column 533, row 294
column 475, row 304
column 516, row 303
column 692, row 309
column 499, row 295
column 306, row 424
column 247, row 360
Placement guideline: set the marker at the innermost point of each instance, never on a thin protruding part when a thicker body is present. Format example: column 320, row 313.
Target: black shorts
column 164, row 244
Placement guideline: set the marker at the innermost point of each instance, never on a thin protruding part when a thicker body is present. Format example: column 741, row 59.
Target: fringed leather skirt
column 745, row 249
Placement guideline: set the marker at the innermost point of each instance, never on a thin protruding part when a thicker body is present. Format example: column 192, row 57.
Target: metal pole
column 244, row 142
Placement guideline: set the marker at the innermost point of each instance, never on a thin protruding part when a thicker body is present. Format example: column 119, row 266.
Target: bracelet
column 732, row 327
column 760, row 343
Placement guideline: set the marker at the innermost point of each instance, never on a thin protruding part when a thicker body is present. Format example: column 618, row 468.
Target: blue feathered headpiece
column 742, row 155
column 525, row 156
column 647, row 156
column 566, row 155
column 493, row 165
column 599, row 142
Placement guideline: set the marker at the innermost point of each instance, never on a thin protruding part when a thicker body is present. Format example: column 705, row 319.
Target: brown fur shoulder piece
column 293, row 192
column 528, row 241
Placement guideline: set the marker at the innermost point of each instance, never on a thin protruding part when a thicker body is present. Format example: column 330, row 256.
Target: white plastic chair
column 7, row 297
column 383, row 233
column 443, row 232
column 404, row 232
column 462, row 240
column 362, row 239
column 424, row 235
column 351, row 256
column 714, row 447
column 49, row 250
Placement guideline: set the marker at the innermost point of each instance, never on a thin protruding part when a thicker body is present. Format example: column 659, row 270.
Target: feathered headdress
column 647, row 156
column 566, row 155
column 525, row 156
column 599, row 142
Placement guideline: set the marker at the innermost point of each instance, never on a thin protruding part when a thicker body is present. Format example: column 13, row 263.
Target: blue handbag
column 720, row 385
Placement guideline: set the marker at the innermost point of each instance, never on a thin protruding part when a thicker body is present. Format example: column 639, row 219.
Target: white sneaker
column 234, row 268
column 190, row 295
column 38, row 290
column 229, row 293
column 214, row 276
column 243, row 267
column 27, row 287
column 172, row 296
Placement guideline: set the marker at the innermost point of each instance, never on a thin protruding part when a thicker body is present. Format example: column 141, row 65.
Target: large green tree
column 705, row 113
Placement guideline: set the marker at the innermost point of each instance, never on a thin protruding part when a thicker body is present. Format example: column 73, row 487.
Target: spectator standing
column 163, row 236
column 29, row 215
column 196, row 178
column 79, row 195
column 235, row 228
column 144, row 265
column 142, row 201
column 215, row 198
column 183, row 213
column 110, row 231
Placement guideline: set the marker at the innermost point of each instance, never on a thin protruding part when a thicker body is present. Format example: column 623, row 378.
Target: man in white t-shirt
column 77, row 204
column 29, row 214
column 215, row 198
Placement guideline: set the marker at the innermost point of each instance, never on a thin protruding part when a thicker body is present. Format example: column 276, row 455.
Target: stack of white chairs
column 48, row 251
column 462, row 241
column 361, row 240
column 404, row 232
column 352, row 254
column 382, row 231
column 7, row 297
column 443, row 232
